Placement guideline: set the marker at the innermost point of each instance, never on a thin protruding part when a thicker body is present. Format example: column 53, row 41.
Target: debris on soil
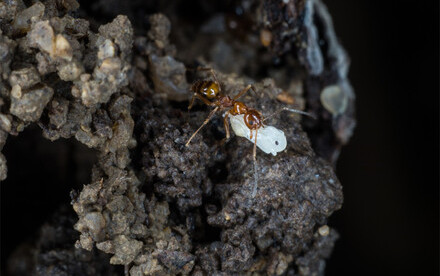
column 156, row 206
column 51, row 254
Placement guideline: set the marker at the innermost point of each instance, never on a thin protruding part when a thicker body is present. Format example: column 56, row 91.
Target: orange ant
column 209, row 92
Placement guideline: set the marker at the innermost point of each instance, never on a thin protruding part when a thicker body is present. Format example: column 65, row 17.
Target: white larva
column 269, row 138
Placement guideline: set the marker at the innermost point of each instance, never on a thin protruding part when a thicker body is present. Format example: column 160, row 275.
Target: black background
column 389, row 170
column 389, row 220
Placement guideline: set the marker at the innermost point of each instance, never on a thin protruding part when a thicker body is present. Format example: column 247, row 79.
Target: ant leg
column 255, row 145
column 210, row 71
column 244, row 90
column 205, row 101
column 226, row 123
column 204, row 123
column 191, row 103
column 254, row 190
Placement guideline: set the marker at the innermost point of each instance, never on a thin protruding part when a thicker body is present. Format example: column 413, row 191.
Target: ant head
column 211, row 89
column 253, row 119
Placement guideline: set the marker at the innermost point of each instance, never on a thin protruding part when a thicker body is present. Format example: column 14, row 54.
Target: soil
column 115, row 76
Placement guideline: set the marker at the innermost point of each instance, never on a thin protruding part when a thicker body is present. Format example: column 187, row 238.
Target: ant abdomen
column 252, row 119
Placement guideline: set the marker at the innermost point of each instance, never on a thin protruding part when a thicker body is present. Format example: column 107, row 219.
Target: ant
column 209, row 92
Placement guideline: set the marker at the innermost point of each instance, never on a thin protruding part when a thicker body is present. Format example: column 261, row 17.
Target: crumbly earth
column 121, row 87
column 52, row 253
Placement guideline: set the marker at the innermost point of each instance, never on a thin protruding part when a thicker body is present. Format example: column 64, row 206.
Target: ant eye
column 251, row 122
column 276, row 143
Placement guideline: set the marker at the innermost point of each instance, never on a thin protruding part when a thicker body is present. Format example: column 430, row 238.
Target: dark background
column 389, row 170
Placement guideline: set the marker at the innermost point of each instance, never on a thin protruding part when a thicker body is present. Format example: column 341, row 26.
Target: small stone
column 22, row 21
column 85, row 241
column 90, row 93
column 29, row 105
column 58, row 111
column 5, row 52
column 109, row 66
column 121, row 32
column 45, row 64
column 168, row 76
column 106, row 246
column 5, row 122
column 78, row 25
column 69, row 71
column 25, row 78
column 85, row 77
column 16, row 91
column 42, row 37
column 150, row 267
column 126, row 250
column 63, row 48
column 106, row 50
column 177, row 261
column 94, row 222
column 227, row 217
column 324, row 230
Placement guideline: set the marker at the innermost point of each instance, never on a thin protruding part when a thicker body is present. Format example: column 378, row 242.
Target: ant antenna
column 291, row 110
column 244, row 90
column 211, row 71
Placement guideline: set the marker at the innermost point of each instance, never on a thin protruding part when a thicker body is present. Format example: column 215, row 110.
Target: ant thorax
column 269, row 138
column 225, row 101
column 238, row 108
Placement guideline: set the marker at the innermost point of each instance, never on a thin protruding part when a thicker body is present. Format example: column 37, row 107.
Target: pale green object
column 334, row 99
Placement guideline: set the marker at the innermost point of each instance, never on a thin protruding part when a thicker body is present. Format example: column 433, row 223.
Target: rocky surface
column 155, row 206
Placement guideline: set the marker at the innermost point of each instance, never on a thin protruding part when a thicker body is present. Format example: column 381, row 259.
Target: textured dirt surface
column 51, row 252
column 121, row 87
